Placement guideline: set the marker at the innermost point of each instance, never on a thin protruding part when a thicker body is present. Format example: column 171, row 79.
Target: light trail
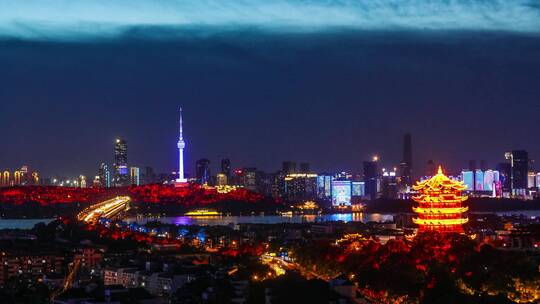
column 106, row 209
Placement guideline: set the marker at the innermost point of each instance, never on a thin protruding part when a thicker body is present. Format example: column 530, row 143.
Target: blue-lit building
column 324, row 186
column 478, row 180
column 121, row 174
column 482, row 182
column 202, row 171
column 467, row 176
column 104, row 176
column 371, row 179
column 341, row 193
column 358, row 189
column 491, row 180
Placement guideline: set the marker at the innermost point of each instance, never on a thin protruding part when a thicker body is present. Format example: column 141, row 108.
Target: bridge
column 106, row 209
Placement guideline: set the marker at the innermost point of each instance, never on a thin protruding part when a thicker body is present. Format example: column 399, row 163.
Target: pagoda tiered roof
column 439, row 182
column 439, row 204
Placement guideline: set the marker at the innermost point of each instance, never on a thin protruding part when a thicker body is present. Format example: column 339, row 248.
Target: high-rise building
column 134, row 176
column 288, row 167
column 324, row 186
column 304, row 168
column 226, row 167
column 370, row 178
column 478, row 180
column 406, row 163
column 82, row 181
column 531, row 180
column 104, row 175
column 249, row 178
column 300, row 186
column 491, row 180
column 149, row 175
column 181, row 145
column 389, row 185
column 505, row 171
column 265, row 183
column 120, row 163
column 358, row 189
column 467, row 176
column 519, row 164
column 202, row 169
column 341, row 193
column 221, row 179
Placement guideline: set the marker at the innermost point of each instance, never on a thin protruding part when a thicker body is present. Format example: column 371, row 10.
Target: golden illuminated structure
column 5, row 178
column 440, row 204
column 17, row 177
column 203, row 212
column 221, row 189
column 308, row 205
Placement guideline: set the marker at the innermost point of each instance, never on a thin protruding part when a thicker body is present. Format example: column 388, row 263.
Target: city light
column 439, row 204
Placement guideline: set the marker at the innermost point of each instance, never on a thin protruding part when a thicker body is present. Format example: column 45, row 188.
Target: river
column 256, row 219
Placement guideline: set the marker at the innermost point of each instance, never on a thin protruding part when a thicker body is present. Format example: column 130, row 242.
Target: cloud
column 84, row 19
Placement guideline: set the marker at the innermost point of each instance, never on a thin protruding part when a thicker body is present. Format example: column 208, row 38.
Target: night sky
column 328, row 95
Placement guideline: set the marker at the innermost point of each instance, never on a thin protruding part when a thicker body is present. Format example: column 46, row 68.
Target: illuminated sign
column 341, row 193
column 324, row 186
column 468, row 179
column 358, row 189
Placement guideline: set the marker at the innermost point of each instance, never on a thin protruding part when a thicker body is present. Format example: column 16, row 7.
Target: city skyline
column 270, row 151
column 404, row 144
column 259, row 97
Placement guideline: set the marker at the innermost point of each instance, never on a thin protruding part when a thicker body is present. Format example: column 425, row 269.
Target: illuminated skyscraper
column 341, row 193
column 202, row 170
column 491, row 180
column 531, row 180
column 300, row 186
column 181, row 145
column 406, row 163
column 519, row 163
column 478, row 180
column 82, row 181
column 134, row 176
column 370, row 178
column 120, row 163
column 389, row 185
column 467, row 176
column 104, row 176
column 221, row 179
column 505, row 171
column 324, row 185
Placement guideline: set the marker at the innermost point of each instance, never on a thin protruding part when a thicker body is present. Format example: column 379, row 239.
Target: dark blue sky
column 328, row 98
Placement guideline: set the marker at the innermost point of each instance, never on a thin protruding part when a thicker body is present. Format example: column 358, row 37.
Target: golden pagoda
column 440, row 204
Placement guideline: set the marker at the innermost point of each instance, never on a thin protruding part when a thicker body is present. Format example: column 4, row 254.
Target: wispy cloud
column 81, row 19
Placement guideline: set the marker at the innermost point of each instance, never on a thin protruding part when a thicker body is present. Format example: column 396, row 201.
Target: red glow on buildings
column 192, row 195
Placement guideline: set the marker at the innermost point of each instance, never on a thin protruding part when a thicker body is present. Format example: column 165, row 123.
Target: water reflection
column 21, row 223
column 271, row 219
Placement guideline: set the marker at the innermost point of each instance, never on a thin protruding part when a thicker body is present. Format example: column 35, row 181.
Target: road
column 106, row 209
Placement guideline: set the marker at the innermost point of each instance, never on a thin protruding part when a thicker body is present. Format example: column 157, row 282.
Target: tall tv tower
column 181, row 146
